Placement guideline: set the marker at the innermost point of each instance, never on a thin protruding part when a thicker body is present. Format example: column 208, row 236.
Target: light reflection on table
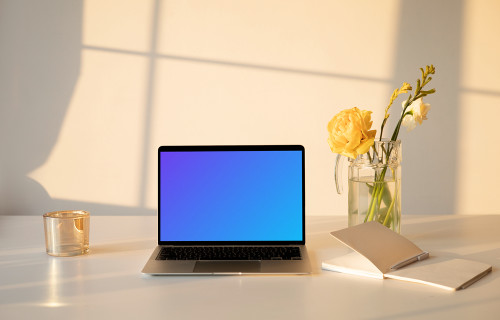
column 107, row 282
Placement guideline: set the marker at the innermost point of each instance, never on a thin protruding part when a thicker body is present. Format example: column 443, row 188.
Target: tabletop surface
column 107, row 282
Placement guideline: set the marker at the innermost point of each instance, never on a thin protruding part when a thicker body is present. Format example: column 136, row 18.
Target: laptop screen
column 248, row 194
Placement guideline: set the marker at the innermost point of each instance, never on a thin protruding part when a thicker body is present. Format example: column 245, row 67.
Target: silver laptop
column 230, row 210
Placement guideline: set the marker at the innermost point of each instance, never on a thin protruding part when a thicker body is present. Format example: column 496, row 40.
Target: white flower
column 415, row 114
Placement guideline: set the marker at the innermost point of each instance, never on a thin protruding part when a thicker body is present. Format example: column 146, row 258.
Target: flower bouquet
column 375, row 164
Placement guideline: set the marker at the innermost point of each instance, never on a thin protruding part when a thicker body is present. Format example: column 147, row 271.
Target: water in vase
column 379, row 201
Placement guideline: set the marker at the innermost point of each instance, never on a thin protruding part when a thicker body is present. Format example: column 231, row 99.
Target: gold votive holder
column 67, row 232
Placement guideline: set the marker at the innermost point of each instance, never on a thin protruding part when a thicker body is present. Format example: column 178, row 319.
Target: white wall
column 89, row 89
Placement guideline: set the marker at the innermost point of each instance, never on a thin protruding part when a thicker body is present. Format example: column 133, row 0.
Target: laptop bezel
column 232, row 148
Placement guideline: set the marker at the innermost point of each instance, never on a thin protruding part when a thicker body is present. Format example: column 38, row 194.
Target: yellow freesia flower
column 405, row 88
column 349, row 132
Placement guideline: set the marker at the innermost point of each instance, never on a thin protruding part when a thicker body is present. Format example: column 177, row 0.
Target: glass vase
column 374, row 185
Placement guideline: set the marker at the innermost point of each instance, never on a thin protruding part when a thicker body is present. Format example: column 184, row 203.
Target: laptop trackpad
column 227, row 266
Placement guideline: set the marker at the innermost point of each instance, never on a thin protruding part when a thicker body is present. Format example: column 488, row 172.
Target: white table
column 107, row 283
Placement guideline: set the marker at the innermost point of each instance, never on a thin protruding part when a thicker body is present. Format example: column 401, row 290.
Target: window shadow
column 430, row 151
column 40, row 62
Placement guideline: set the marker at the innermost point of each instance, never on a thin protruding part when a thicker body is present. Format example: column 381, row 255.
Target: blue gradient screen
column 231, row 195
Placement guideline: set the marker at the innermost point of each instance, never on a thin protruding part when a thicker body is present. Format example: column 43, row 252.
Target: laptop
column 230, row 210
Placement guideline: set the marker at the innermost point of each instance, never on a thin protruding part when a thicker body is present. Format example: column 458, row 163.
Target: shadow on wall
column 40, row 60
column 430, row 33
column 40, row 64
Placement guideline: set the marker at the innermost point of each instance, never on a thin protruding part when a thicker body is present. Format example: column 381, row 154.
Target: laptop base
column 236, row 267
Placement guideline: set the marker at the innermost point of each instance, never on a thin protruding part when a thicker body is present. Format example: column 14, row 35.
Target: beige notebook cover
column 382, row 253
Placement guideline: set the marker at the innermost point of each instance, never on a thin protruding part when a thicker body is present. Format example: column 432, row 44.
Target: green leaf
column 381, row 214
column 370, row 189
column 386, row 195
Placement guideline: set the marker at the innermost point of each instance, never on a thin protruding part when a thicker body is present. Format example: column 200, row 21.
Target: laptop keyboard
column 229, row 253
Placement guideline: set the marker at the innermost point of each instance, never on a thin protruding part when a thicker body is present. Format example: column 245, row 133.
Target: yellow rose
column 349, row 132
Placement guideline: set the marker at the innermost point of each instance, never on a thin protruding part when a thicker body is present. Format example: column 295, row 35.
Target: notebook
column 230, row 210
column 382, row 253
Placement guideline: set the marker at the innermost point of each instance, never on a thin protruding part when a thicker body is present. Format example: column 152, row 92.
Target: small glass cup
column 67, row 232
